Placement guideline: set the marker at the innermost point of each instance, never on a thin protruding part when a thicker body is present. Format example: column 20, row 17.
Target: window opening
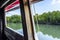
column 13, row 19
column 47, row 19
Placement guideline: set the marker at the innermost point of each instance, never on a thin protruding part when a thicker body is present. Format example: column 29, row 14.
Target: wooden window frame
column 28, row 27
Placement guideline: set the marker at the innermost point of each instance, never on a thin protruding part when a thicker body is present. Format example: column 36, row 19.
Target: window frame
column 25, row 27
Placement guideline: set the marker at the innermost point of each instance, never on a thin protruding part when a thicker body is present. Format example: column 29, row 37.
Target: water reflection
column 41, row 36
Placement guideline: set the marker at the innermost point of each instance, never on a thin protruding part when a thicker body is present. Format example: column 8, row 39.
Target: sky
column 41, row 7
column 46, row 5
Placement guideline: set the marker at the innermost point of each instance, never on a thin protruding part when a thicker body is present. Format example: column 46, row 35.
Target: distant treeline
column 48, row 18
column 14, row 19
column 45, row 18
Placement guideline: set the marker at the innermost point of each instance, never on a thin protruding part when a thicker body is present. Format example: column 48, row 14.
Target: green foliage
column 14, row 19
column 48, row 18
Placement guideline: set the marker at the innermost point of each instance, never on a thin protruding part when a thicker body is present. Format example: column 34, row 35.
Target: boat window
column 46, row 16
column 13, row 18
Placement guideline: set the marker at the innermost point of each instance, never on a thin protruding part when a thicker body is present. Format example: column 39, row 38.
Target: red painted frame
column 12, row 5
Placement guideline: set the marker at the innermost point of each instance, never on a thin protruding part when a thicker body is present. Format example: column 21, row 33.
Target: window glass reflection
column 47, row 19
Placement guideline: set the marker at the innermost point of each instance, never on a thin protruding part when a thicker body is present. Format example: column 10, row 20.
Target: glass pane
column 46, row 16
column 13, row 20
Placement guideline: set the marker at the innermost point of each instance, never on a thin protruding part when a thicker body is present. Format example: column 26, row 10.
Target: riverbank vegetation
column 45, row 18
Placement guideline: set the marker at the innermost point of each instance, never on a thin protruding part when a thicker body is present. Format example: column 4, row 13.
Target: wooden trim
column 27, row 20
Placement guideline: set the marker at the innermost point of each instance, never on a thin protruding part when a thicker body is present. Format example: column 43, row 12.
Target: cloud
column 55, row 2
